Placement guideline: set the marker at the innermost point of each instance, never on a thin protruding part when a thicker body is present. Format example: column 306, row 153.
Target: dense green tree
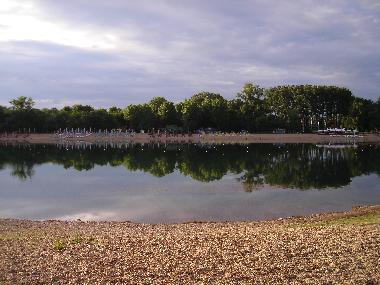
column 164, row 112
column 3, row 118
column 22, row 103
column 375, row 116
column 116, row 117
column 204, row 110
column 314, row 107
column 139, row 117
column 251, row 106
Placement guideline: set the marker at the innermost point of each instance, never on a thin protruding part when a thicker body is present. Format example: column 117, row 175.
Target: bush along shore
column 336, row 248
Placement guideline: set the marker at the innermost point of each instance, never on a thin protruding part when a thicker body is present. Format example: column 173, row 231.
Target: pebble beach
column 334, row 248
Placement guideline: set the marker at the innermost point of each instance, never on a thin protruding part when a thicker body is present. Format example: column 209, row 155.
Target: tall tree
column 252, row 105
column 204, row 110
column 164, row 112
column 22, row 103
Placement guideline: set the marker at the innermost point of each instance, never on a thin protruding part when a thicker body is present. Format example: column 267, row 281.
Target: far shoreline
column 195, row 138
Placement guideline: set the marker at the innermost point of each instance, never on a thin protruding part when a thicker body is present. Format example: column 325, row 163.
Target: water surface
column 174, row 183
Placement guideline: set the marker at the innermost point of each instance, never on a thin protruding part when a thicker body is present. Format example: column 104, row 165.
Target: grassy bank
column 338, row 248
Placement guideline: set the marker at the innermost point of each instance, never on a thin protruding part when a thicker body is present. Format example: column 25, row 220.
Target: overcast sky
column 118, row 52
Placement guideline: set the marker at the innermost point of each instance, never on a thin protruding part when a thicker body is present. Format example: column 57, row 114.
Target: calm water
column 174, row 183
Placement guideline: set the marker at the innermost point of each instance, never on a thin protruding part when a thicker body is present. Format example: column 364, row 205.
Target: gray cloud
column 176, row 48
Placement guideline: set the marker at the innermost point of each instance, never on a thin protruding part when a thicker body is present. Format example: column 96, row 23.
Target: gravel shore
column 337, row 248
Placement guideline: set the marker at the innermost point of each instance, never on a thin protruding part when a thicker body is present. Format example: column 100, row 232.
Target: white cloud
column 24, row 21
column 119, row 52
column 90, row 216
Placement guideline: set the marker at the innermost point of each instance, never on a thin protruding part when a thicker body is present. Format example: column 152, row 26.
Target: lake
column 157, row 183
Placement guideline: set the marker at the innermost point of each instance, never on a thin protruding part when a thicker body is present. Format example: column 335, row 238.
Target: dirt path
column 341, row 248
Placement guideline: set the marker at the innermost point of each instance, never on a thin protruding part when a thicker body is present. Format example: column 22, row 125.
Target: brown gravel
column 341, row 248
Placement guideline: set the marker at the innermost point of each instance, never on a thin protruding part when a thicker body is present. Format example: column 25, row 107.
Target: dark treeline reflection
column 302, row 166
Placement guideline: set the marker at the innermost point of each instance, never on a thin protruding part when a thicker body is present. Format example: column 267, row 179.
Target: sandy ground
column 340, row 248
column 225, row 138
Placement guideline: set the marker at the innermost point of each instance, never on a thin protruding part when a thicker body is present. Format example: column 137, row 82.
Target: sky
column 120, row 52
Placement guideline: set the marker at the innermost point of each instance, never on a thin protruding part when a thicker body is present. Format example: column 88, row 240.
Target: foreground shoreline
column 331, row 248
column 206, row 138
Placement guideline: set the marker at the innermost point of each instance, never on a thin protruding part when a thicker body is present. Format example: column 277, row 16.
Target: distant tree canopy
column 297, row 108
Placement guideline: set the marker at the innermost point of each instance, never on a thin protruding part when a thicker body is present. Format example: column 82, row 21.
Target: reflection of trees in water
column 203, row 163
column 22, row 171
column 310, row 167
column 152, row 160
column 302, row 166
column 251, row 181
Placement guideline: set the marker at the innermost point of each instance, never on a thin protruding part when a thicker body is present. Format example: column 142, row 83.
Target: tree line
column 296, row 108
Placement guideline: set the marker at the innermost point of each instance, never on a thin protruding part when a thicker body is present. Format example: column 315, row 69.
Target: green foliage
column 59, row 245
column 308, row 107
column 22, row 103
column 78, row 239
column 204, row 110
column 139, row 117
column 297, row 108
column 251, row 94
column 47, row 120
column 164, row 112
